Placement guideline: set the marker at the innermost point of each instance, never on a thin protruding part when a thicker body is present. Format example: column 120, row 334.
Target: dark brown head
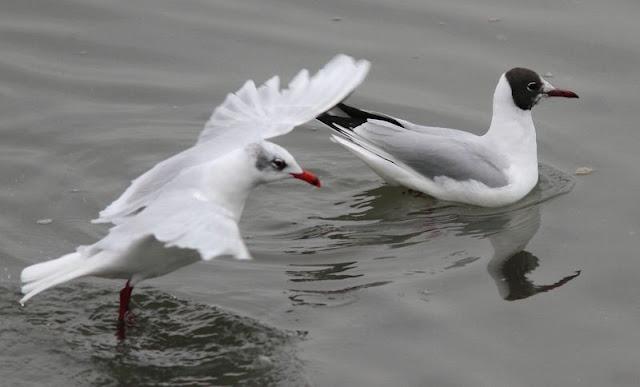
column 528, row 88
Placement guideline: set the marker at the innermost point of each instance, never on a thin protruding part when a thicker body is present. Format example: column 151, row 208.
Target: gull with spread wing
column 187, row 207
column 495, row 169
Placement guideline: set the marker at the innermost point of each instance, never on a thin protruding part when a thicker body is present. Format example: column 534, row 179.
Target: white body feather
column 511, row 140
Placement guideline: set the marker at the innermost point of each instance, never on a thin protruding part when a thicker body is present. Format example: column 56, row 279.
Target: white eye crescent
column 532, row 86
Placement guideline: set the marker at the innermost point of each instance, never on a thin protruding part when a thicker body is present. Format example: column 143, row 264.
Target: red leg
column 125, row 298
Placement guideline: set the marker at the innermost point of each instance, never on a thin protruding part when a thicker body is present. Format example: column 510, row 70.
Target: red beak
column 308, row 177
column 562, row 93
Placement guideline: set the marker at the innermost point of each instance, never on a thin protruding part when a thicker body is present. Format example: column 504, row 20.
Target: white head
column 272, row 162
column 524, row 88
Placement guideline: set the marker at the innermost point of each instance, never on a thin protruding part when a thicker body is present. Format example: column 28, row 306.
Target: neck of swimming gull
column 512, row 130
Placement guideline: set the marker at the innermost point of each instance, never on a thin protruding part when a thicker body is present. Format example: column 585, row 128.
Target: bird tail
column 42, row 276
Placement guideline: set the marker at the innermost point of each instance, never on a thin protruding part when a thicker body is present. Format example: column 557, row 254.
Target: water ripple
column 172, row 342
column 389, row 216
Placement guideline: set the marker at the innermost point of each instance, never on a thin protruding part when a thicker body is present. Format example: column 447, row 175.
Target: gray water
column 356, row 283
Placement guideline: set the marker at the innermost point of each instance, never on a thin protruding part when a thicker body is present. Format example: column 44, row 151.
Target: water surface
column 357, row 283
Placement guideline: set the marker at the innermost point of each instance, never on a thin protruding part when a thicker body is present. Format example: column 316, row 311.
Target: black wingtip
column 355, row 117
column 338, row 123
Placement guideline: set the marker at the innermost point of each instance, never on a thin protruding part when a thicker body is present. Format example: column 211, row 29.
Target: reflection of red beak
column 308, row 177
column 561, row 93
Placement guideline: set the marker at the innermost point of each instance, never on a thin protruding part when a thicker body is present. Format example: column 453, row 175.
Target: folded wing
column 460, row 157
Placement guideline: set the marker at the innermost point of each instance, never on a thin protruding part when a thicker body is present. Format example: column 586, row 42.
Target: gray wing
column 458, row 156
column 434, row 130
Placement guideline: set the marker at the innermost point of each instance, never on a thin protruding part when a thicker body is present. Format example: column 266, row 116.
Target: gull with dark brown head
column 491, row 170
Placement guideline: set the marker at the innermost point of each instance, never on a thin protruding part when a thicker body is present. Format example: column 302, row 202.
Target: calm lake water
column 357, row 283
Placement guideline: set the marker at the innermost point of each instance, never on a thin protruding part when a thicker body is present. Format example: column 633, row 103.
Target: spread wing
column 249, row 115
column 271, row 112
column 183, row 219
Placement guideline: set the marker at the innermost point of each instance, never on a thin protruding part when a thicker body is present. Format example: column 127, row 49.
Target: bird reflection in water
column 392, row 217
column 511, row 264
column 511, row 277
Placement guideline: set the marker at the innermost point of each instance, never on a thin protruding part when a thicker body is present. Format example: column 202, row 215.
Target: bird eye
column 278, row 164
column 532, row 86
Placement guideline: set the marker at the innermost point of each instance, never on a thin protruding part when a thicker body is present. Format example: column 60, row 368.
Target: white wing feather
column 272, row 112
column 181, row 219
column 249, row 115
